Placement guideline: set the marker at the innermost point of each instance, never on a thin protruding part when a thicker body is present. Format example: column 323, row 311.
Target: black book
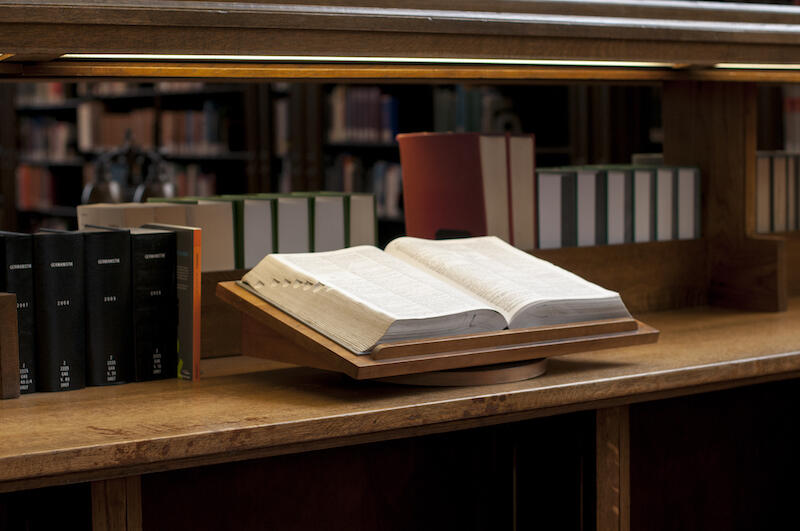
column 108, row 306
column 59, row 300
column 17, row 262
column 155, row 304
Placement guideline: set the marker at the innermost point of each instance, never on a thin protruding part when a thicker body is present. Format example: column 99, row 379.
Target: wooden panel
column 9, row 347
column 402, row 349
column 725, row 460
column 613, row 469
column 117, row 504
column 381, row 19
column 98, row 432
column 648, row 276
column 713, row 126
column 220, row 324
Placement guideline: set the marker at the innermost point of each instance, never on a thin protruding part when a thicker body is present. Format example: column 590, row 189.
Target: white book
column 495, row 185
column 616, row 206
column 215, row 218
column 549, row 210
column 587, row 208
column 688, row 203
column 293, row 225
column 362, row 220
column 329, row 222
column 257, row 230
column 522, row 172
column 665, row 204
column 361, row 296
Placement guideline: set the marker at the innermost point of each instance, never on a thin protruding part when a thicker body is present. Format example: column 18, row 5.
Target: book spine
column 601, row 208
column 154, row 306
column 59, row 301
column 569, row 210
column 108, row 307
column 18, row 279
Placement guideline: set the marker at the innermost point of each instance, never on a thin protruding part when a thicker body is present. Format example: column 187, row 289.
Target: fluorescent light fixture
column 758, row 66
column 341, row 59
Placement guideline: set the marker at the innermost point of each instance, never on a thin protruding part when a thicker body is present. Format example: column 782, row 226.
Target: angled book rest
column 492, row 357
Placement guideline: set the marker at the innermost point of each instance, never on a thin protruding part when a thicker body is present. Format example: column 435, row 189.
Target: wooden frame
column 268, row 332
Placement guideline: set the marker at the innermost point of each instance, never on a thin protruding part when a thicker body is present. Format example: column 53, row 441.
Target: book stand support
column 492, row 357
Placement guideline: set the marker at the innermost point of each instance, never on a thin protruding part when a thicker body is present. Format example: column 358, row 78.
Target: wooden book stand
column 492, row 357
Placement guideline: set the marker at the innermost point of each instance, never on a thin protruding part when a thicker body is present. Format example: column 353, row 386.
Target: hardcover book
column 108, row 306
column 17, row 278
column 60, row 316
column 155, row 304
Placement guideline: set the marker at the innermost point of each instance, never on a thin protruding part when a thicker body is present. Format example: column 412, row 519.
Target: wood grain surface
column 101, row 433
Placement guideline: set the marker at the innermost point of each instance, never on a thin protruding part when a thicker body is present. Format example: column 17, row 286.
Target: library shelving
column 698, row 428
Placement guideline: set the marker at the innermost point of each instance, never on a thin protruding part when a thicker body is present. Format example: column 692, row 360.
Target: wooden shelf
column 245, row 408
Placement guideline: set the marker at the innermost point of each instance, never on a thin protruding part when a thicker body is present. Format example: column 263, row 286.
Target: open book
column 417, row 288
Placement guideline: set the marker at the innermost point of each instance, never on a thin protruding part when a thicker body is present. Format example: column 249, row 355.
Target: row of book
column 101, row 306
column 361, row 114
column 199, row 132
column 777, row 191
column 239, row 230
column 46, row 139
column 351, row 173
column 606, row 205
column 99, row 129
column 41, row 93
column 466, row 184
column 473, row 109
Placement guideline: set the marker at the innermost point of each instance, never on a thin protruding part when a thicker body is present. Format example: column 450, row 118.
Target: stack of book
column 612, row 204
column 362, row 115
column 239, row 230
column 777, row 191
column 466, row 184
column 101, row 306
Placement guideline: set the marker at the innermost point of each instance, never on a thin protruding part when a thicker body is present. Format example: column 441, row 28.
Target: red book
column 467, row 184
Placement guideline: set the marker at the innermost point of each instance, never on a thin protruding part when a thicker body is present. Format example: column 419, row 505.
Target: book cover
column 155, row 304
column 17, row 278
column 59, row 305
column 107, row 259
column 188, row 285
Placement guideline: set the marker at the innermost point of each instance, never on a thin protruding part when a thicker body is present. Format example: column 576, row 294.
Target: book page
column 361, row 295
column 502, row 276
column 383, row 282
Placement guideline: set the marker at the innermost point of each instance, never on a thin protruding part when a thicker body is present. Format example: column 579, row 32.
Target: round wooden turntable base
column 485, row 375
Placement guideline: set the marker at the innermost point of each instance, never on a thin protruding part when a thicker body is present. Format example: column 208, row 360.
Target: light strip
column 758, row 66
column 341, row 59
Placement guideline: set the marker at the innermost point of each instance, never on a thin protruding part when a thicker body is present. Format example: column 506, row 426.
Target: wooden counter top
column 246, row 408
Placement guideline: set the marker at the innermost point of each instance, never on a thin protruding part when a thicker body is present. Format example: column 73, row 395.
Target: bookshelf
column 637, row 454
column 198, row 129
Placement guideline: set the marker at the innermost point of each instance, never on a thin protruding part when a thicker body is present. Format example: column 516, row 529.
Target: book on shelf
column 777, row 191
column 470, row 184
column 107, row 259
column 59, row 304
column 17, row 278
column 418, row 288
column 155, row 304
column 614, row 204
column 188, row 285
